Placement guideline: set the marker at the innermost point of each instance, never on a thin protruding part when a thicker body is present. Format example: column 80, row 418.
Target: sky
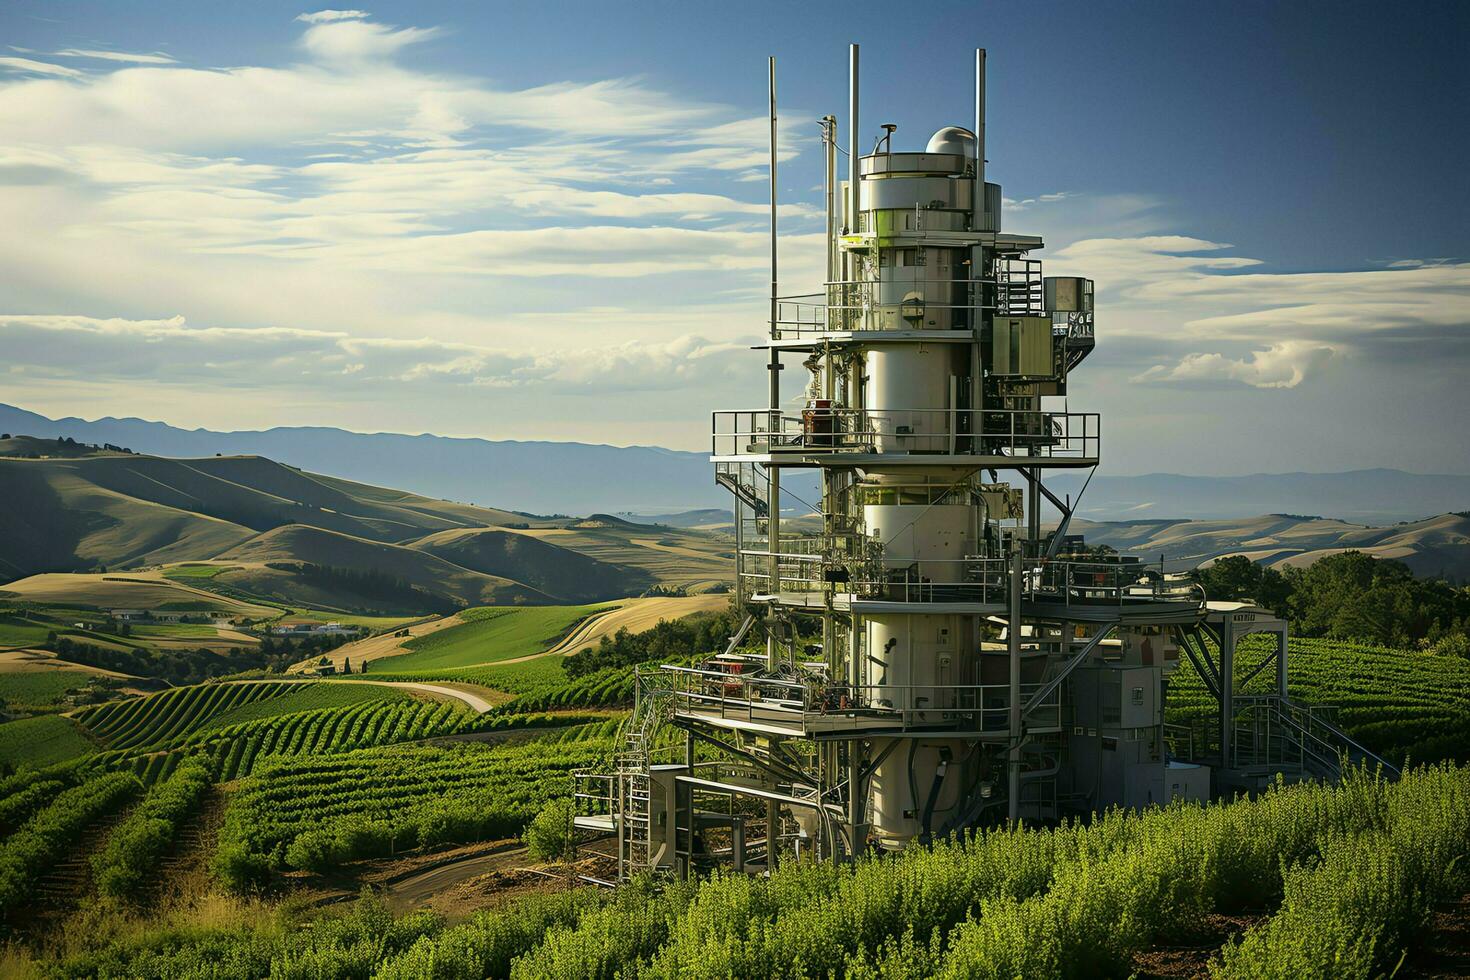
column 549, row 220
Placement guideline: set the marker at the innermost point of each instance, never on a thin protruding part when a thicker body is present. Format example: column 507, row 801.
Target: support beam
column 1071, row 665
column 1205, row 670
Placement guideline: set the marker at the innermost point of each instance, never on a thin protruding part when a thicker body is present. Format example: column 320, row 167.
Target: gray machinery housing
column 933, row 661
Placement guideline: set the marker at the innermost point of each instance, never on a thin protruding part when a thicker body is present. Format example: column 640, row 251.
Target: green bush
column 549, row 835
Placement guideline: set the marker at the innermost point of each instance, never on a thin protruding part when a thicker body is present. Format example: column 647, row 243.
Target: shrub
column 549, row 835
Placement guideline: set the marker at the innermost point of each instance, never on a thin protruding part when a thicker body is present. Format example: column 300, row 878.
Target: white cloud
column 1179, row 290
column 171, row 351
column 156, row 58
column 327, row 16
column 358, row 43
column 1282, row 365
column 32, row 67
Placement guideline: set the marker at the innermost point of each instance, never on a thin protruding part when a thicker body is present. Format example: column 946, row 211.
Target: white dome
column 952, row 139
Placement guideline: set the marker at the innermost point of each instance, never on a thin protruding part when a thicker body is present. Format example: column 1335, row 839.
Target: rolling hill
column 534, row 562
column 1438, row 546
column 271, row 569
column 283, row 535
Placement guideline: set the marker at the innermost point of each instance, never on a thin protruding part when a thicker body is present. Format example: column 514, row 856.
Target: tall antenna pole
column 775, row 392
column 852, row 140
column 977, row 206
column 773, row 516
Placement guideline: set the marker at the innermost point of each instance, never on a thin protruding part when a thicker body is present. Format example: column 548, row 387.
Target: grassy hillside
column 536, row 562
column 100, row 511
column 488, row 636
column 326, row 548
column 120, row 510
column 1436, row 546
column 687, row 559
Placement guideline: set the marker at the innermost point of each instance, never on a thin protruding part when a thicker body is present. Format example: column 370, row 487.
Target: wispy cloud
column 328, row 16
column 29, row 66
column 156, row 58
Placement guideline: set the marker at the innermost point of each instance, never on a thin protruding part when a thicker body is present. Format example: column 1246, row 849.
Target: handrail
column 898, row 430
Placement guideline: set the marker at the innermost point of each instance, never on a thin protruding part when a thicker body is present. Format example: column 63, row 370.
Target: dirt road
column 475, row 701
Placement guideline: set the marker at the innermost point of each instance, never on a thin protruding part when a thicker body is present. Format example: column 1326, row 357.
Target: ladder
column 651, row 708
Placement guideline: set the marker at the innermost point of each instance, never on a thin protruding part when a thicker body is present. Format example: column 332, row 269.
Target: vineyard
column 178, row 712
column 1400, row 703
column 318, row 813
column 1335, row 881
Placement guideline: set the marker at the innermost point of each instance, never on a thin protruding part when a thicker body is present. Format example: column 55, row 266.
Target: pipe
column 773, row 517
column 928, row 814
column 977, row 205
column 853, row 153
column 1013, row 643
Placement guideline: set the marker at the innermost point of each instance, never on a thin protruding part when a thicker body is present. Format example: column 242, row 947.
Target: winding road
column 479, row 704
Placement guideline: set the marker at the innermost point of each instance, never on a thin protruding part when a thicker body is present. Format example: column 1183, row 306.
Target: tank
column 912, row 774
column 909, row 393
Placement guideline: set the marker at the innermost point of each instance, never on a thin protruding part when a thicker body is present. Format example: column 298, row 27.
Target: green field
column 373, row 624
column 193, row 573
column 174, row 631
column 487, row 635
column 36, row 742
column 171, row 714
column 18, row 632
column 38, row 688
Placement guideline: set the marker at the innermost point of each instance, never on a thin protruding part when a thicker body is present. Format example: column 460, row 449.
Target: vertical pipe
column 977, row 205
column 773, row 517
column 1033, row 514
column 771, row 64
column 829, row 131
column 1013, row 644
column 852, row 140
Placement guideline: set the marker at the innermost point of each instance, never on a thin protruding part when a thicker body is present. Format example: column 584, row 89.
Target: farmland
column 1330, row 881
column 488, row 635
column 1400, row 703
column 326, row 779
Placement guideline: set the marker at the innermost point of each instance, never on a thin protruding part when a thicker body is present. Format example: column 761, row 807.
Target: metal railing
column 802, row 568
column 732, row 692
column 908, row 431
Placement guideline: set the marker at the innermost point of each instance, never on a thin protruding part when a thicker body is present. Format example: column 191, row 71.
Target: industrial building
column 936, row 656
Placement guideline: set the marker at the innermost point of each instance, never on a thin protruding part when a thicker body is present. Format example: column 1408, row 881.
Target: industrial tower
column 933, row 660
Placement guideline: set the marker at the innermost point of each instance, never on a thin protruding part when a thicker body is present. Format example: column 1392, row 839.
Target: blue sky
column 545, row 220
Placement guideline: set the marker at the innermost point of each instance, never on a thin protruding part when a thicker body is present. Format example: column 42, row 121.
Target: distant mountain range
column 580, row 478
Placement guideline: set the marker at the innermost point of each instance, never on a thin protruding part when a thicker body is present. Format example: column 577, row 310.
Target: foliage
column 38, row 742
column 1350, row 596
column 388, row 592
column 16, row 807
column 1072, row 901
column 174, row 666
column 677, row 639
column 1399, row 703
column 137, row 844
column 548, row 837
column 45, row 837
column 317, row 813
